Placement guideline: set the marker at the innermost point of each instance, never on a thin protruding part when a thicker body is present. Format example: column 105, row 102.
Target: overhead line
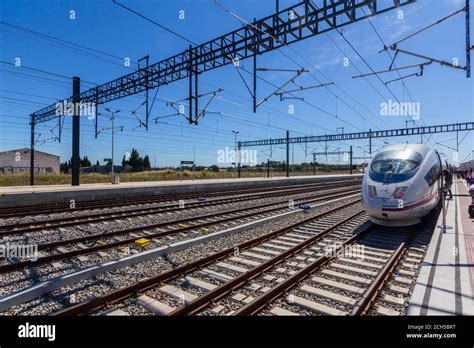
column 36, row 33
column 154, row 22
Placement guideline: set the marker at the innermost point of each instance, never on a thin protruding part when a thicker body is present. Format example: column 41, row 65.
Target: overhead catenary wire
column 194, row 43
column 58, row 42
column 338, row 31
column 37, row 33
column 247, row 23
column 282, row 128
column 43, row 71
column 40, row 70
column 394, row 65
column 50, row 37
column 66, row 84
column 155, row 22
column 285, row 45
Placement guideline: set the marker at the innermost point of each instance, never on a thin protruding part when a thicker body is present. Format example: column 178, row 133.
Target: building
column 18, row 161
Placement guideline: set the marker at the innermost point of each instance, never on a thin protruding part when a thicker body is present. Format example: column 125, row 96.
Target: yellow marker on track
column 142, row 242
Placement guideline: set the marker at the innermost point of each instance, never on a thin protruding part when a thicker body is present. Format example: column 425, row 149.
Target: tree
column 146, row 162
column 64, row 167
column 136, row 162
column 135, row 159
column 97, row 163
column 85, row 162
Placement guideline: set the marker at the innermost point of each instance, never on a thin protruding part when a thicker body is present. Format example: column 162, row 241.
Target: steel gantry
column 303, row 20
column 401, row 132
column 330, row 153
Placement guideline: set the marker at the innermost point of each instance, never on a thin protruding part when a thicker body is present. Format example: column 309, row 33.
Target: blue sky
column 445, row 95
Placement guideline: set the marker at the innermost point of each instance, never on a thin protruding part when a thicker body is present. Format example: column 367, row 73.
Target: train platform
column 14, row 196
column 445, row 285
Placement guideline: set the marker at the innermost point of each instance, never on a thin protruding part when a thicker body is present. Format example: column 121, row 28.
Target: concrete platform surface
column 11, row 196
column 445, row 285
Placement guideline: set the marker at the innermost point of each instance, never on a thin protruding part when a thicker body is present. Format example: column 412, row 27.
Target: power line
column 40, row 34
column 228, row 115
column 36, row 78
column 68, row 42
column 389, row 55
column 192, row 42
column 366, row 63
column 44, row 72
column 333, row 115
column 156, row 23
column 291, row 59
column 253, row 123
column 394, row 65
column 63, row 43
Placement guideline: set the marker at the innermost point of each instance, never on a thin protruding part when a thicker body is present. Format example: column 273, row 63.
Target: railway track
column 69, row 221
column 6, row 213
column 109, row 240
column 369, row 273
column 346, row 266
column 51, row 226
column 338, row 282
column 303, row 269
column 240, row 258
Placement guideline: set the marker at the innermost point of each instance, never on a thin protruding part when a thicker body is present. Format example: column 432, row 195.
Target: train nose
column 396, row 215
column 386, row 208
column 387, row 191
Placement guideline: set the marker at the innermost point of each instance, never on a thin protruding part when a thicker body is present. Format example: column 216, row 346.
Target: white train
column 402, row 184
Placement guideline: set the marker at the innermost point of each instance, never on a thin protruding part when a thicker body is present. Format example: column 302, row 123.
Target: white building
column 18, row 161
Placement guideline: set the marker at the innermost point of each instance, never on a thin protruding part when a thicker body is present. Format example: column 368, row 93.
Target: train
column 402, row 184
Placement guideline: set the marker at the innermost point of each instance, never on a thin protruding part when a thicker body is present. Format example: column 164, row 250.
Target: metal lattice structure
column 273, row 32
column 303, row 20
column 444, row 128
column 402, row 132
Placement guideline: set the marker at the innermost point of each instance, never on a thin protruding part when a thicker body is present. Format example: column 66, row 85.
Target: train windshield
column 395, row 166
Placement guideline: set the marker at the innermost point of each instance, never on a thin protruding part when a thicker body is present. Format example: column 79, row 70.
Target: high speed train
column 402, row 184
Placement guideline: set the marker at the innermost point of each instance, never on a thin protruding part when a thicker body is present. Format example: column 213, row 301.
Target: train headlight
column 372, row 191
column 400, row 192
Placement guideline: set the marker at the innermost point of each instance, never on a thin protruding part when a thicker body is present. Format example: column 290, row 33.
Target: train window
column 433, row 175
column 396, row 162
column 429, row 177
column 394, row 166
